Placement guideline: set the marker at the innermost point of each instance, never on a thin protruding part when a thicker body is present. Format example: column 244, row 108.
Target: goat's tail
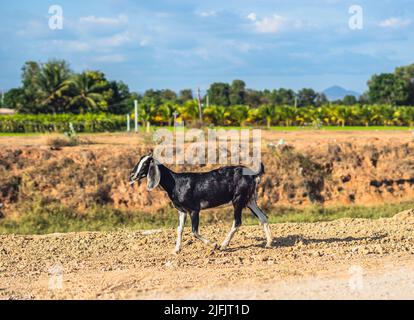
column 252, row 172
column 261, row 170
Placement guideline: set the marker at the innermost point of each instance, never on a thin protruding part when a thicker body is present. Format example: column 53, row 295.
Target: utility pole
column 136, row 115
column 207, row 100
column 128, row 123
column 200, row 112
column 175, row 114
column 2, row 98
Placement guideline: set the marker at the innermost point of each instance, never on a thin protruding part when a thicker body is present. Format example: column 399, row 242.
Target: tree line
column 53, row 88
column 238, row 115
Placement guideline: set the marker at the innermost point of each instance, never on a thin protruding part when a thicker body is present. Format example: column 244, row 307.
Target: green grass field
column 50, row 219
column 346, row 128
column 273, row 128
column 2, row 134
column 310, row 128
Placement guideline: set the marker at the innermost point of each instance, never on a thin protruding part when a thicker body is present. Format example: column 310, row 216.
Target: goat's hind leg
column 195, row 221
column 236, row 225
column 263, row 221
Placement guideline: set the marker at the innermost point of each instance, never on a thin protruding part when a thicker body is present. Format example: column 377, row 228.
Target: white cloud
column 33, row 28
column 276, row 23
column 111, row 58
column 210, row 13
column 103, row 45
column 115, row 40
column 395, row 23
column 252, row 16
column 144, row 42
column 271, row 24
column 120, row 19
column 71, row 45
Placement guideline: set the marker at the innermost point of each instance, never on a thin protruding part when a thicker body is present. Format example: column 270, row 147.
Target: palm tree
column 310, row 115
column 365, row 114
column 52, row 84
column 399, row 116
column 288, row 114
column 302, row 115
column 86, row 92
column 238, row 114
column 189, row 111
column 407, row 115
column 215, row 114
column 268, row 112
column 165, row 112
column 349, row 115
column 382, row 115
column 253, row 115
column 338, row 115
column 147, row 109
column 325, row 114
column 387, row 112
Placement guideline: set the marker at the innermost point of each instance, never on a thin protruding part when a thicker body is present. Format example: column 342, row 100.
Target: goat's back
column 215, row 188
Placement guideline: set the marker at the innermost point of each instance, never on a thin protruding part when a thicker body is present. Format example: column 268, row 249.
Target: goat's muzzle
column 138, row 179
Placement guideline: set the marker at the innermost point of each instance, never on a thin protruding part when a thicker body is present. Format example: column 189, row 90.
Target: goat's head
column 147, row 167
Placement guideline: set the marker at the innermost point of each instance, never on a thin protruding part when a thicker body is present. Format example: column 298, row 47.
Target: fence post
column 136, row 115
column 128, row 123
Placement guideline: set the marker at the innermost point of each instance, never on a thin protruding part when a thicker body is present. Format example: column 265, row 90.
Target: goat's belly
column 207, row 204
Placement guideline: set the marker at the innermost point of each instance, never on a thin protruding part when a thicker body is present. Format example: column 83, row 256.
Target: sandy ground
column 344, row 259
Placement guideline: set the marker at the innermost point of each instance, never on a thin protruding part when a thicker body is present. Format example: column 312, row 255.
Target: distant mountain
column 337, row 92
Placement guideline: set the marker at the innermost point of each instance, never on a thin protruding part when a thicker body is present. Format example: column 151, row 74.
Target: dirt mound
column 139, row 265
column 363, row 172
column 404, row 215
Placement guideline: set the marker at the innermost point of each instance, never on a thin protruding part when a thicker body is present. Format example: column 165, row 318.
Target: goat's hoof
column 222, row 248
column 175, row 252
column 268, row 245
column 215, row 246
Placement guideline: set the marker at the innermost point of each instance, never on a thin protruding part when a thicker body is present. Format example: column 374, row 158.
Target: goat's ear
column 153, row 177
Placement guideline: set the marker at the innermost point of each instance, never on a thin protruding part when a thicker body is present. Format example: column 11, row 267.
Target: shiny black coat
column 192, row 192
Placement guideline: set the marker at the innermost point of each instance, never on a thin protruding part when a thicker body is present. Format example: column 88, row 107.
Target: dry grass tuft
column 57, row 143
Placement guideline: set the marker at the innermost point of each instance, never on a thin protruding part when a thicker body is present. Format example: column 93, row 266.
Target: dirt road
column 349, row 258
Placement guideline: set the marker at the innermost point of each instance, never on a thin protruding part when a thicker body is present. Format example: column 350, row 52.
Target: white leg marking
column 226, row 242
column 268, row 234
column 204, row 240
column 263, row 221
column 180, row 229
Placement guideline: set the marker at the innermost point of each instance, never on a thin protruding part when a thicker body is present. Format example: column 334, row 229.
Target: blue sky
column 189, row 44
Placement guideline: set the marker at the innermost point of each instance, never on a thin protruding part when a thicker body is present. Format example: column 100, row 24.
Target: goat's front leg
column 181, row 222
column 195, row 221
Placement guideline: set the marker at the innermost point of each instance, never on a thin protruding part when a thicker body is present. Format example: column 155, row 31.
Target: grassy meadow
column 40, row 219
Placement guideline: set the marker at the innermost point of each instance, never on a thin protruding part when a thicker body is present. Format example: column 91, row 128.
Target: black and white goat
column 192, row 192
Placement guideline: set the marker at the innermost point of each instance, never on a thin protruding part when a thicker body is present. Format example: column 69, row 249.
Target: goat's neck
column 167, row 181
